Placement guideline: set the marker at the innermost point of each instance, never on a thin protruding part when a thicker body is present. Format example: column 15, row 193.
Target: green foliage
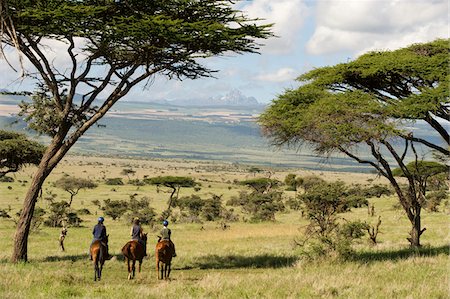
column 6, row 179
column 136, row 182
column 73, row 184
column 367, row 105
column 212, row 208
column 141, row 209
column 171, row 181
column 192, row 204
column 321, row 204
column 114, row 208
column 291, row 181
column 261, row 206
column 423, row 169
column 434, row 199
column 16, row 150
column 309, row 181
column 61, row 214
column 261, row 185
column 114, row 181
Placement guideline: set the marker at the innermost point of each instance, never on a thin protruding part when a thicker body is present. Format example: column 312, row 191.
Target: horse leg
column 157, row 267
column 129, row 268
column 95, row 270
column 140, row 264
column 134, row 267
column 100, row 271
column 169, row 267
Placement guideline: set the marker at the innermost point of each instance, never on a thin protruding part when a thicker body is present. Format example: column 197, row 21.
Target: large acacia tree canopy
column 17, row 150
column 365, row 100
column 168, row 34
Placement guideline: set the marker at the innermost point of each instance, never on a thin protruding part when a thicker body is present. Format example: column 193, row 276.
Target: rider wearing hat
column 136, row 233
column 165, row 235
column 99, row 233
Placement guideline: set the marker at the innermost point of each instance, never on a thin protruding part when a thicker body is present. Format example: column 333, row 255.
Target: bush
column 434, row 199
column 191, row 204
column 212, row 208
column 60, row 214
column 136, row 182
column 4, row 214
column 307, row 182
column 262, row 207
column 141, row 209
column 115, row 208
column 84, row 211
column 6, row 179
column 114, row 181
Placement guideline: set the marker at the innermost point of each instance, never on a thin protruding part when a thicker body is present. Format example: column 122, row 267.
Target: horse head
column 144, row 237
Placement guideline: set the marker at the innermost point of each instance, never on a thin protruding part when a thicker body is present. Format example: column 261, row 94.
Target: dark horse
column 163, row 254
column 133, row 251
column 99, row 255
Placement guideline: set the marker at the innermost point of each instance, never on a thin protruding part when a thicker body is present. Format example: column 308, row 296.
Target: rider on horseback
column 165, row 235
column 136, row 234
column 99, row 233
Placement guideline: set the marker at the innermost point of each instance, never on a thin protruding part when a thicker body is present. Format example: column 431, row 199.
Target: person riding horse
column 137, row 233
column 165, row 235
column 99, row 233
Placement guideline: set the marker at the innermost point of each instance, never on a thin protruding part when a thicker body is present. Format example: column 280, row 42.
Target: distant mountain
column 234, row 98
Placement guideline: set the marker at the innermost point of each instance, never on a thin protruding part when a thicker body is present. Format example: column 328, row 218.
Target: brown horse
column 163, row 254
column 133, row 251
column 99, row 255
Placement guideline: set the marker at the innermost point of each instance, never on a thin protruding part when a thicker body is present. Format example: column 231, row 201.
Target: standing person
column 99, row 233
column 137, row 232
column 62, row 236
column 165, row 235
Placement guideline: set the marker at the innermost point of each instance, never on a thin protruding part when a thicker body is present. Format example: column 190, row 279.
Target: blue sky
column 311, row 34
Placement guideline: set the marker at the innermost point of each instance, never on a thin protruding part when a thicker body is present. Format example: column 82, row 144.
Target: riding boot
column 173, row 246
column 108, row 257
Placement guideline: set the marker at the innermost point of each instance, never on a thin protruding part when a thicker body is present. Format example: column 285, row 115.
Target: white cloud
column 288, row 17
column 281, row 75
column 360, row 26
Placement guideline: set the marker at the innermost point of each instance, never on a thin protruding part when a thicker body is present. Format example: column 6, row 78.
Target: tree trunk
column 20, row 252
column 416, row 230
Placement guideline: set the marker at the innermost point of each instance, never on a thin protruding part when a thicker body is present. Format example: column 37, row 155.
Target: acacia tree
column 111, row 47
column 16, row 150
column 73, row 185
column 365, row 106
column 174, row 183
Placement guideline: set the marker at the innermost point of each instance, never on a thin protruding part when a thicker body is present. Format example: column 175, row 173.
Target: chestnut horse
column 133, row 251
column 98, row 254
column 163, row 254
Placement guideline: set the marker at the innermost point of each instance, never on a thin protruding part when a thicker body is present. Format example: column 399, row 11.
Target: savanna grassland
column 246, row 260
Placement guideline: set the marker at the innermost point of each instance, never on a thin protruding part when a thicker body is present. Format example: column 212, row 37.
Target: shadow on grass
column 74, row 258
column 238, row 261
column 393, row 255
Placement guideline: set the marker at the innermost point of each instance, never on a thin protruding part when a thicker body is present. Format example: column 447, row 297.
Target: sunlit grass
column 247, row 260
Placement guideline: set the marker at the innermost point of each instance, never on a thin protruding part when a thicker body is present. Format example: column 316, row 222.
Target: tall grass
column 247, row 260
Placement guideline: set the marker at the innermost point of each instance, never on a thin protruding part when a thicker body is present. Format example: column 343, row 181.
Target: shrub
column 114, row 181
column 261, row 207
column 60, row 214
column 6, row 179
column 136, row 182
column 141, row 209
column 84, row 211
column 115, row 208
column 307, row 182
column 4, row 214
column 434, row 199
column 212, row 208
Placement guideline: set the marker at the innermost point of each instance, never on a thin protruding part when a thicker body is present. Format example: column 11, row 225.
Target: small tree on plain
column 73, row 185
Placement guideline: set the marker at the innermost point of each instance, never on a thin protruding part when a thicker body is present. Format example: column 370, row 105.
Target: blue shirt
column 99, row 232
